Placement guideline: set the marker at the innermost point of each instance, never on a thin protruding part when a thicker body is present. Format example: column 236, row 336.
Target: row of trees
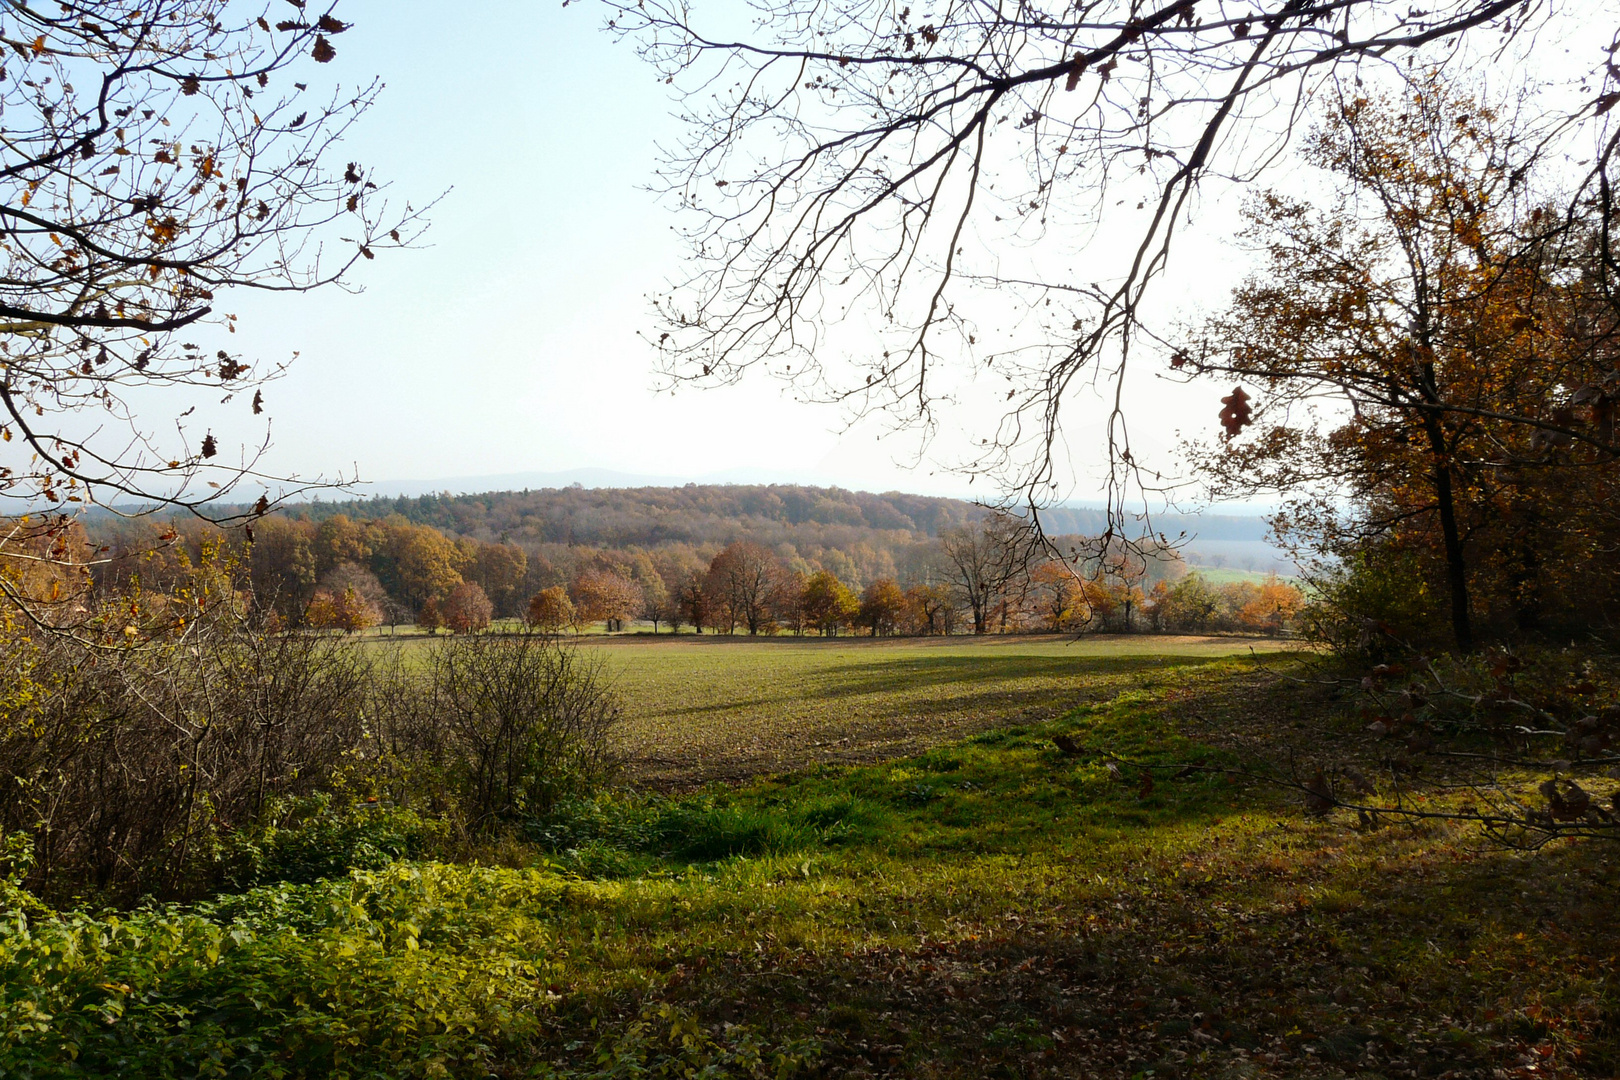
column 336, row 573
column 987, row 578
column 390, row 570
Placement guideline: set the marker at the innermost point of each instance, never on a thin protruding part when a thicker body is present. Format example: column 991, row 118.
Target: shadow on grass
column 901, row 678
column 1282, row 947
column 1186, row 984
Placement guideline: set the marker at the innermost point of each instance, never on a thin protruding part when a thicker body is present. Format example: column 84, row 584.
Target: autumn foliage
column 1434, row 356
column 466, row 610
column 551, row 609
column 347, row 611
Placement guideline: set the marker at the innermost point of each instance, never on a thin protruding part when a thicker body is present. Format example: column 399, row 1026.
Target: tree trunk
column 1456, row 568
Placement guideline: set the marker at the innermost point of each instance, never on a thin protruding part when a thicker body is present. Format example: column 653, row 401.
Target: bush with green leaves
column 305, row 839
column 412, row 970
column 1372, row 603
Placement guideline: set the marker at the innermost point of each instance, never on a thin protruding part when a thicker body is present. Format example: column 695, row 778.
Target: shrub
column 127, row 764
column 525, row 722
column 408, row 971
column 1373, row 602
column 306, row 839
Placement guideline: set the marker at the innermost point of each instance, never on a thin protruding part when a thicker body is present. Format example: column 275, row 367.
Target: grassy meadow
column 929, row 859
column 725, row 708
column 1226, row 575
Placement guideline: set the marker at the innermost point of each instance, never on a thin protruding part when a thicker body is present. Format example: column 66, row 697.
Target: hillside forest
column 767, row 559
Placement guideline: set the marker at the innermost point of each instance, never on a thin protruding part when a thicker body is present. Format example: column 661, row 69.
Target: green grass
column 699, row 709
column 989, row 907
column 996, row 907
column 1225, row 575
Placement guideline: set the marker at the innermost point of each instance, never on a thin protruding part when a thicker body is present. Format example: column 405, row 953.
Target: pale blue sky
column 507, row 344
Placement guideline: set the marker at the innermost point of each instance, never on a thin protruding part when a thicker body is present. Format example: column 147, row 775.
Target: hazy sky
column 507, row 343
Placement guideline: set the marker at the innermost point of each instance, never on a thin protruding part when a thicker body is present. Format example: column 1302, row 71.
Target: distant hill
column 714, row 514
column 653, row 516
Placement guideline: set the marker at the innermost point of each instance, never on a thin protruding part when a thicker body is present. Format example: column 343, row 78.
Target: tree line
column 990, row 576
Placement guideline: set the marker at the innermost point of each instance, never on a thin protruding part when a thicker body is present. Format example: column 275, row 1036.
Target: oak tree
column 551, row 610
column 883, row 606
column 466, row 610
column 1435, row 356
column 930, row 609
column 605, row 595
column 693, row 602
column 985, row 560
column 741, row 586
column 827, row 603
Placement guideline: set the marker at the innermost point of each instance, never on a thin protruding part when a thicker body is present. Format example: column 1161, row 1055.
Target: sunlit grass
column 990, row 906
column 730, row 708
column 994, row 902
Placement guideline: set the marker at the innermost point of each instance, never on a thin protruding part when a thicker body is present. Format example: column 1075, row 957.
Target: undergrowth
column 1005, row 905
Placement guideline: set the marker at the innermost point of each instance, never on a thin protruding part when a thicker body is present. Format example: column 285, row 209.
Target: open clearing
column 1079, row 891
column 996, row 907
column 726, row 708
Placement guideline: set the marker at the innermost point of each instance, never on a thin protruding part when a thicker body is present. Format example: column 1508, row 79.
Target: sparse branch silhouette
column 847, row 160
column 155, row 158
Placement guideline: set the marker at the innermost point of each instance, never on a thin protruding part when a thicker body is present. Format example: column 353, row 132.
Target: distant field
column 1226, row 575
column 700, row 709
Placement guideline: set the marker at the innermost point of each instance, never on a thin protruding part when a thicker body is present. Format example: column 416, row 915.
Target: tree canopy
column 856, row 170
column 1435, row 352
column 156, row 157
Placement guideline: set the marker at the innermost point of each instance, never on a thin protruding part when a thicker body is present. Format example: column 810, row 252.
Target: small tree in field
column 347, row 611
column 828, row 604
column 1057, row 597
column 692, row 601
column 467, row 609
column 551, row 610
column 742, row 582
column 349, row 597
column 605, row 596
column 430, row 618
column 930, row 609
column 883, row 605
column 984, row 561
